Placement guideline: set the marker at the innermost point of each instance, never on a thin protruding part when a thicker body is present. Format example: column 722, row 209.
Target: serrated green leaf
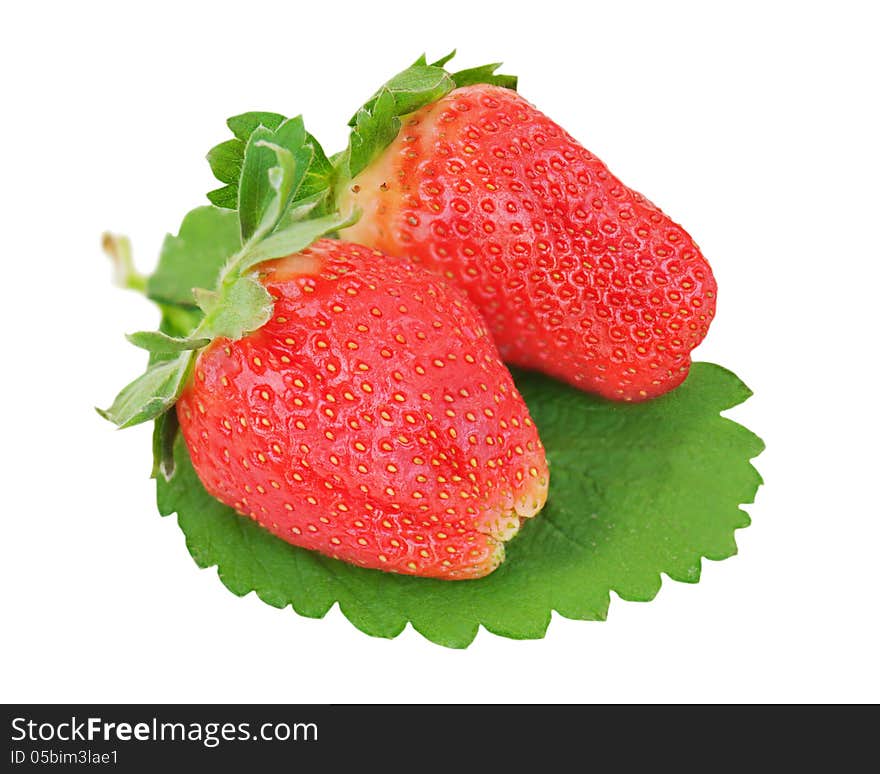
column 226, row 159
column 243, row 125
column 636, row 490
column 484, row 74
column 151, row 394
column 281, row 181
column 418, row 85
column 375, row 125
column 319, row 175
column 225, row 197
column 294, row 167
column 207, row 238
column 246, row 307
column 294, row 238
column 373, row 131
column 199, row 284
column 275, row 165
column 254, row 188
column 156, row 341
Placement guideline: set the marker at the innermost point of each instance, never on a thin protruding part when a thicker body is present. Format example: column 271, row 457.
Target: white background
column 754, row 126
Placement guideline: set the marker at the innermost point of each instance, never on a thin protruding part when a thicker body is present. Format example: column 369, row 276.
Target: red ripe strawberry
column 577, row 275
column 370, row 419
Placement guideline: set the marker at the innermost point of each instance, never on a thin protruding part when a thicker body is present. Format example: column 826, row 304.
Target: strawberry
column 577, row 275
column 369, row 419
column 350, row 402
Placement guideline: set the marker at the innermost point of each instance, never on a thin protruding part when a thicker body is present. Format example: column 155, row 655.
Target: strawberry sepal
column 279, row 214
column 377, row 123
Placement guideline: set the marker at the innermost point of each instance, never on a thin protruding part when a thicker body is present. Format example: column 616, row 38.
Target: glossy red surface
column 370, row 419
column 577, row 275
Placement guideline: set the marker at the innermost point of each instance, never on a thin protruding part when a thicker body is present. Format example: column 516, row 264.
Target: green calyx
column 278, row 213
column 373, row 127
column 227, row 159
column 278, row 196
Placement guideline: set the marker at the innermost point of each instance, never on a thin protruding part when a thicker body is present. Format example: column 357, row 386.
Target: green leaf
column 319, row 176
column 255, row 188
column 151, row 394
column 484, row 74
column 156, row 341
column 225, row 197
column 281, row 181
column 207, row 238
column 286, row 180
column 375, row 125
column 199, row 284
column 275, row 165
column 246, row 306
column 226, row 159
column 413, row 88
column 636, row 490
column 296, row 237
column 243, row 125
column 374, row 130
column 417, row 86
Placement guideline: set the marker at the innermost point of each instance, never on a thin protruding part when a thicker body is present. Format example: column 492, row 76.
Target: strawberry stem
column 118, row 249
